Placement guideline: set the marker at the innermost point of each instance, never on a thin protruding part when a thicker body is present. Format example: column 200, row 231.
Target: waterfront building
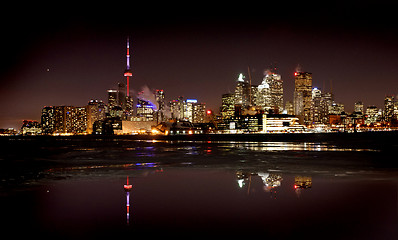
column 281, row 123
column 64, row 120
column 265, row 123
column 326, row 103
column 31, row 127
column 47, row 120
column 303, row 96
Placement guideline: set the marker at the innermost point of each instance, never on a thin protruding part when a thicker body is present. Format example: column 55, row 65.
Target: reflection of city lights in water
column 127, row 187
column 271, row 181
column 290, row 146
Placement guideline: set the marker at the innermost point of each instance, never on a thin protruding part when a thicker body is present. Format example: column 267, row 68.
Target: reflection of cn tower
column 127, row 188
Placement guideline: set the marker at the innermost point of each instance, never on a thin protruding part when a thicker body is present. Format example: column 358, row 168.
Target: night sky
column 63, row 56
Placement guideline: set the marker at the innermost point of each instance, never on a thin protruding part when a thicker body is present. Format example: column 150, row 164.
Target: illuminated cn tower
column 127, row 187
column 127, row 72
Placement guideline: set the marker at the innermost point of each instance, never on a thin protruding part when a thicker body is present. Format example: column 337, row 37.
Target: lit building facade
column 303, row 96
column 160, row 113
column 145, row 110
column 372, row 114
column 242, row 92
column 64, row 120
column 227, row 109
column 96, row 111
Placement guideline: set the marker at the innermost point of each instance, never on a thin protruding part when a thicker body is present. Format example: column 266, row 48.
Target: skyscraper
column 227, row 109
column 242, row 92
column 389, row 108
column 160, row 113
column 303, row 96
column 316, row 107
column 358, row 107
column 270, row 93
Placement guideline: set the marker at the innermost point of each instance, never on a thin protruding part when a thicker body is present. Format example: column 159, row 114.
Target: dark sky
column 63, row 56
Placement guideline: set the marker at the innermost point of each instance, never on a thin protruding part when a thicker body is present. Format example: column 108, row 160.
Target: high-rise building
column 188, row 110
column 64, row 119
column 47, row 120
column 145, row 109
column 336, row 108
column 242, row 92
column 270, row 93
column 289, row 108
column 160, row 113
column 113, row 98
column 326, row 104
column 389, row 108
column 95, row 112
column 316, row 107
column 303, row 96
column 227, row 109
column 371, row 114
column 177, row 108
column 198, row 112
column 358, row 107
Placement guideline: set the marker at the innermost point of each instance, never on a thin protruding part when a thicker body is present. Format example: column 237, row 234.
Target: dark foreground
column 328, row 186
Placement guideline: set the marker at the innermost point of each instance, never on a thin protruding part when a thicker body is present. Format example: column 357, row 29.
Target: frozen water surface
column 74, row 188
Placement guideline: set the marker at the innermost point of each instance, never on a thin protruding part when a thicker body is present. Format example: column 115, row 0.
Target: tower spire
column 127, row 72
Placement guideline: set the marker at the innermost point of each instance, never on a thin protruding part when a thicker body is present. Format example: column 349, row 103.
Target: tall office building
column 270, row 93
column 112, row 98
column 303, row 96
column 95, row 112
column 177, row 108
column 289, row 107
column 198, row 113
column 316, row 107
column 188, row 110
column 242, row 92
column 389, row 108
column 227, row 109
column 145, row 109
column 160, row 113
column 371, row 114
column 358, row 107
column 47, row 120
column 326, row 104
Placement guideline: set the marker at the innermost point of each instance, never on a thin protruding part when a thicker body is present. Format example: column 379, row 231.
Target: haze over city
column 70, row 58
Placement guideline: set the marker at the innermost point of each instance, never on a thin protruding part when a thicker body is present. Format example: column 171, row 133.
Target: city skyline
column 198, row 58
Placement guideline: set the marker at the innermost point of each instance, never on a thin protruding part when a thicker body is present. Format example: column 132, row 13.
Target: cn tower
column 127, row 72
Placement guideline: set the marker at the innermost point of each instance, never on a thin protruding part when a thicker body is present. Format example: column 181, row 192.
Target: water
column 73, row 188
